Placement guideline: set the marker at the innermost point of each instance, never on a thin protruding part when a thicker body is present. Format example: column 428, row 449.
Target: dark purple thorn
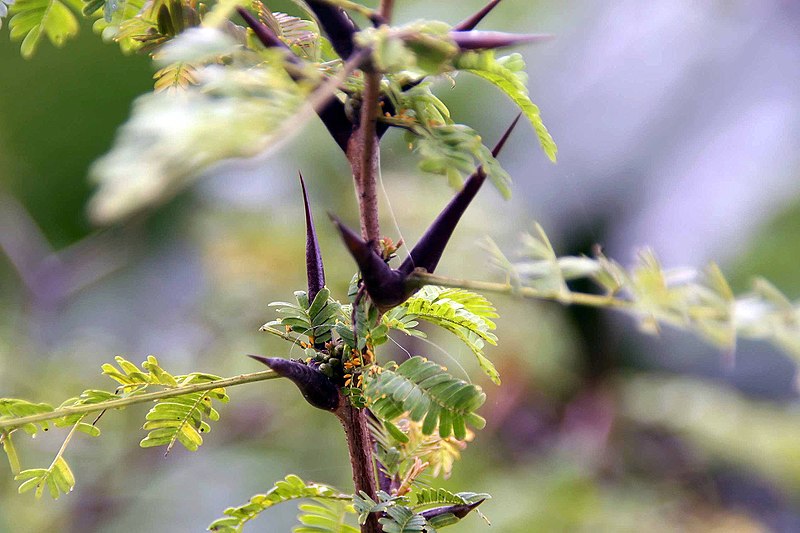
column 459, row 511
column 315, row 386
column 506, row 134
column 483, row 40
column 337, row 24
column 315, row 270
column 474, row 20
column 332, row 113
column 428, row 250
column 386, row 287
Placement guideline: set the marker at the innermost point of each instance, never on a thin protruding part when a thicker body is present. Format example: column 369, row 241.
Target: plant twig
column 362, row 152
column 385, row 10
column 592, row 300
column 241, row 379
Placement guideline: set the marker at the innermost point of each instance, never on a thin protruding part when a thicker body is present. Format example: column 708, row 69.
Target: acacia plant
column 236, row 80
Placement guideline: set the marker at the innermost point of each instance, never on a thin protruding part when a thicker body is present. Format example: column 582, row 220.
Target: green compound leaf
column 57, row 478
column 465, row 314
column 325, row 517
column 420, row 49
column 426, row 391
column 35, row 19
column 290, row 488
column 300, row 35
column 133, row 380
column 183, row 418
column 454, row 150
column 175, row 78
column 430, row 497
column 397, row 516
column 507, row 73
column 15, row 408
column 315, row 320
column 239, row 110
column 401, row 519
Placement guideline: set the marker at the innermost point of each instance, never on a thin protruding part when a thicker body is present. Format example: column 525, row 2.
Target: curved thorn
column 332, row 113
column 386, row 287
column 506, row 134
column 315, row 386
column 428, row 250
column 484, row 40
column 474, row 20
column 337, row 24
column 459, row 511
column 315, row 270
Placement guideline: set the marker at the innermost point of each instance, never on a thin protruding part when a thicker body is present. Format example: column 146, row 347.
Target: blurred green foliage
column 60, row 112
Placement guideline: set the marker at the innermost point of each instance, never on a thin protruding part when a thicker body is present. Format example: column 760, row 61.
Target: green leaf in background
column 34, row 19
column 455, row 150
column 169, row 140
column 507, row 73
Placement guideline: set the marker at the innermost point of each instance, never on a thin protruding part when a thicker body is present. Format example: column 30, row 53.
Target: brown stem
column 386, row 10
column 359, row 444
column 362, row 152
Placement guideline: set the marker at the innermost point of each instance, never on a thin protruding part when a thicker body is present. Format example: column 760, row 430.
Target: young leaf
column 301, row 36
column 507, row 74
column 182, row 418
column 316, row 319
column 175, row 78
column 126, row 22
column 132, row 379
column 402, row 442
column 291, row 488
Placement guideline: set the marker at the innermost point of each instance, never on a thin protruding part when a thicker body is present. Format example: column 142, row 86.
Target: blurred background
column 678, row 125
